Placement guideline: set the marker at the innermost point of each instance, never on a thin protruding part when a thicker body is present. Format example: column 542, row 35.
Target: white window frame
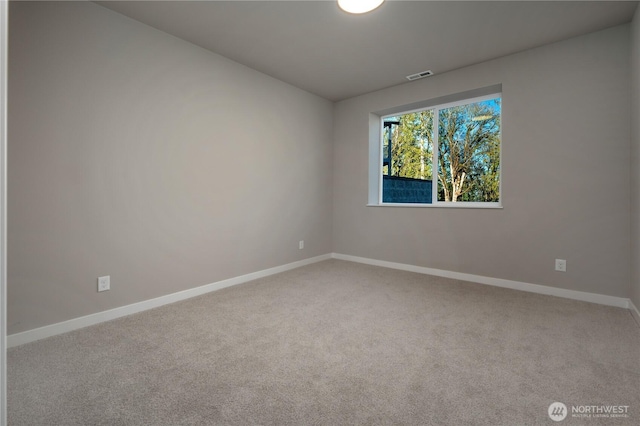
column 375, row 191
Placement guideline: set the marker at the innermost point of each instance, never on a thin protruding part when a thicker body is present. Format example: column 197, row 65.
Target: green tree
column 469, row 152
column 411, row 145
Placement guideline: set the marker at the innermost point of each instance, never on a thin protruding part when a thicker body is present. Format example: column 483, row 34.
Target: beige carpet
column 336, row 343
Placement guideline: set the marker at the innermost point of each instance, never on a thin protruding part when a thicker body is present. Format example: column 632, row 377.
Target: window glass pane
column 407, row 151
column 469, row 152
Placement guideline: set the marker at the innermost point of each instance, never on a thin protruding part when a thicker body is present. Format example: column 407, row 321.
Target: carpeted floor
column 336, row 343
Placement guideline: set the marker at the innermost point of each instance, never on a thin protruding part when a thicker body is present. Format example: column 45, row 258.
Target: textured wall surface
column 565, row 173
column 138, row 155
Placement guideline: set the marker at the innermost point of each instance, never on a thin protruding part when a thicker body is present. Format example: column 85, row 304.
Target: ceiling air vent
column 419, row 75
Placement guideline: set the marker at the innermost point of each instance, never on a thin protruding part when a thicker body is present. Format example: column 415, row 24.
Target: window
column 446, row 154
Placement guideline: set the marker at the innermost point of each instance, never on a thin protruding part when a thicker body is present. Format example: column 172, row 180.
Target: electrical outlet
column 104, row 283
column 301, row 244
column 561, row 265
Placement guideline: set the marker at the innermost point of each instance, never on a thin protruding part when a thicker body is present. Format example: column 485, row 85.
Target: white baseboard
column 601, row 299
column 76, row 323
column 635, row 313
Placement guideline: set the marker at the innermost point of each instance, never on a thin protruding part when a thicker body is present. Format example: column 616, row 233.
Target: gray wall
column 635, row 159
column 137, row 155
column 566, row 173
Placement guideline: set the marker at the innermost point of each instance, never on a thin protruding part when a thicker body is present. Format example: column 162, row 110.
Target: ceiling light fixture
column 359, row 6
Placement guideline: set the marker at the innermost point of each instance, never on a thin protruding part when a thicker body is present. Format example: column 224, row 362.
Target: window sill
column 459, row 205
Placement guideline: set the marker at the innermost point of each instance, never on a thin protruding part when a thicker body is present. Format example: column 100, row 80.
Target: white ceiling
column 317, row 47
